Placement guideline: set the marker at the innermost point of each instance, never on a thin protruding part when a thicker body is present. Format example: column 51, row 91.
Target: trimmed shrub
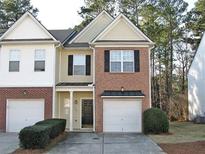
column 39, row 135
column 155, row 121
column 57, row 126
column 34, row 137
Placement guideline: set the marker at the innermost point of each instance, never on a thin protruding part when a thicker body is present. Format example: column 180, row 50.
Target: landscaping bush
column 57, row 126
column 34, row 137
column 155, row 121
column 39, row 135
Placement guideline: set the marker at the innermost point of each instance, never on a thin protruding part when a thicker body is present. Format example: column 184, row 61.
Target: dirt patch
column 184, row 148
column 53, row 142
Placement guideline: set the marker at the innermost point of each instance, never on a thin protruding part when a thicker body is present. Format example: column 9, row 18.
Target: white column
column 71, row 110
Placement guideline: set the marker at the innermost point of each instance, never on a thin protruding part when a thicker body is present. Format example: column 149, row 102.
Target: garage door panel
column 122, row 115
column 22, row 113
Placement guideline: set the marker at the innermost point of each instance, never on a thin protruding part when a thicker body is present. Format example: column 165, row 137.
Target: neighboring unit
column 27, row 71
column 196, row 83
column 98, row 79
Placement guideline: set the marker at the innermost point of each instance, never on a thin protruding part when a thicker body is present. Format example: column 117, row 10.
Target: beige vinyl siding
column 63, row 104
column 103, row 21
column 121, row 31
column 64, row 77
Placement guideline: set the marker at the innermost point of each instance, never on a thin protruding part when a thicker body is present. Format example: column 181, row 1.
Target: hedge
column 155, row 121
column 33, row 137
column 39, row 135
column 57, row 125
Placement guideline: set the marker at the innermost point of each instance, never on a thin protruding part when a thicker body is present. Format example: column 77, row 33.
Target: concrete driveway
column 8, row 142
column 91, row 143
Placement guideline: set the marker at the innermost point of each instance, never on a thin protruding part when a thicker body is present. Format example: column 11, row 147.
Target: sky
column 62, row 14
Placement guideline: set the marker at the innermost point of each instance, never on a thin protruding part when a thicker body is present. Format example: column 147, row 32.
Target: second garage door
column 122, row 115
column 23, row 112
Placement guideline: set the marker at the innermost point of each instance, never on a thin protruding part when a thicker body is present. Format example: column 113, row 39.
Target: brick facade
column 45, row 93
column 114, row 81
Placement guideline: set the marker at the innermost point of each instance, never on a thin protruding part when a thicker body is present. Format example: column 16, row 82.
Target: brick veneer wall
column 114, row 81
column 45, row 93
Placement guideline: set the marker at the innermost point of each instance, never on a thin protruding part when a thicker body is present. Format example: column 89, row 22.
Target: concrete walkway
column 8, row 142
column 91, row 143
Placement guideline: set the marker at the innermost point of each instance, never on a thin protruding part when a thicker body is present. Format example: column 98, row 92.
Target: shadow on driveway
column 91, row 143
column 8, row 142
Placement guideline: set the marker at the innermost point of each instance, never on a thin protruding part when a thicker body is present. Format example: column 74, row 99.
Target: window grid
column 79, row 64
column 14, row 61
column 122, row 60
column 39, row 60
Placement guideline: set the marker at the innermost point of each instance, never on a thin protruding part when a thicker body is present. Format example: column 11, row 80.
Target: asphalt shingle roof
column 74, row 83
column 122, row 93
column 61, row 34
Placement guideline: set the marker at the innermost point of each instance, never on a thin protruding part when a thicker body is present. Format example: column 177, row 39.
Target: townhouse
column 98, row 79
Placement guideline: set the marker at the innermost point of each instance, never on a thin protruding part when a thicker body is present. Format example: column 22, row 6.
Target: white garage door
column 22, row 113
column 122, row 115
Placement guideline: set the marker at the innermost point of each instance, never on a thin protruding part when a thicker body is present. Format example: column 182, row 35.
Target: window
column 39, row 62
column 14, row 61
column 122, row 61
column 79, row 64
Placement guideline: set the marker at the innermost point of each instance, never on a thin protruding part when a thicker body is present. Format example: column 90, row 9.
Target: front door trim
column 81, row 102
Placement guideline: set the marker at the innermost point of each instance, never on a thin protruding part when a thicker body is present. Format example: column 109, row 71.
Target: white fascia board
column 122, row 96
column 27, row 86
column 74, row 88
column 21, row 19
column 29, row 42
column 92, row 22
column 114, row 22
column 76, row 48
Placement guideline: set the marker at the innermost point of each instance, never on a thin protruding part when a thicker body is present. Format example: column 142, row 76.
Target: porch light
column 25, row 92
column 122, row 89
column 76, row 102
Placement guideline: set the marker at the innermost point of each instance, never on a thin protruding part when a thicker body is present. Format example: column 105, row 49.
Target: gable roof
column 89, row 26
column 62, row 34
column 135, row 29
column 20, row 20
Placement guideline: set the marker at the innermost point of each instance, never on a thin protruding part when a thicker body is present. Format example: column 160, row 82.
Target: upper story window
column 79, row 65
column 39, row 60
column 122, row 61
column 14, row 60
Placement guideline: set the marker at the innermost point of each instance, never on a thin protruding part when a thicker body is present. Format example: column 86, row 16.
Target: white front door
column 23, row 112
column 122, row 115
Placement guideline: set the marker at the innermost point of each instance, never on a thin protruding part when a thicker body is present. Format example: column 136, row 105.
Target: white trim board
column 114, row 97
column 20, row 20
column 115, row 21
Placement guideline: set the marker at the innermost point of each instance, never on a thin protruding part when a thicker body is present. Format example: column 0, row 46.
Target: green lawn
column 182, row 132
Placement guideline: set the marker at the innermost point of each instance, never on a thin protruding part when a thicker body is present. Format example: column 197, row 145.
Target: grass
column 181, row 132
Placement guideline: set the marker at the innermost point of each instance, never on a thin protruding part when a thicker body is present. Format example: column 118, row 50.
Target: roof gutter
column 29, row 42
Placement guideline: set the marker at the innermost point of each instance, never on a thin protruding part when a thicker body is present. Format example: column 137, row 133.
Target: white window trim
column 122, row 61
column 79, row 65
column 36, row 60
column 19, row 60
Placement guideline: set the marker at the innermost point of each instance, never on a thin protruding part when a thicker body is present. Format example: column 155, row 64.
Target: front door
column 87, row 113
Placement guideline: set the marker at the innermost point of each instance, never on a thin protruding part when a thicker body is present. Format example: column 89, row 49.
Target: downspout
column 150, row 76
column 94, row 106
column 54, row 81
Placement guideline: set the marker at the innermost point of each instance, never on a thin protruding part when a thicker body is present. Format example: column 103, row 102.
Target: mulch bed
column 184, row 148
column 53, row 142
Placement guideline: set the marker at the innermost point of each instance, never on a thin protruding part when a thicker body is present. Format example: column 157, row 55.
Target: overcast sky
column 60, row 14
